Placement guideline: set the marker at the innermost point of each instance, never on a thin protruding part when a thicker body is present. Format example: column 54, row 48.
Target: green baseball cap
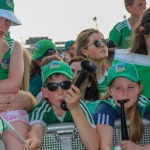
column 55, row 67
column 122, row 69
column 7, row 11
column 43, row 48
column 67, row 44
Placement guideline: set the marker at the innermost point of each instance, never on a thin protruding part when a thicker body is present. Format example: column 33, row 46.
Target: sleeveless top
column 4, row 65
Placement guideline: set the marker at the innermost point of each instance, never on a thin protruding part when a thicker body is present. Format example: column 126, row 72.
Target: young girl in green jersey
column 123, row 84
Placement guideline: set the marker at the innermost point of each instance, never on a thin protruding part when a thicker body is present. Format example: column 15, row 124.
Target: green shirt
column 4, row 65
column 42, row 113
column 102, row 83
column 35, row 84
column 92, row 105
column 121, row 34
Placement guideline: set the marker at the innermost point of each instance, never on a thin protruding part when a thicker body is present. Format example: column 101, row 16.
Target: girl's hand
column 129, row 145
column 10, row 101
column 14, row 101
column 73, row 98
column 34, row 143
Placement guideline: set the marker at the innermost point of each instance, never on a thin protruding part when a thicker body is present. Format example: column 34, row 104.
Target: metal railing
column 64, row 136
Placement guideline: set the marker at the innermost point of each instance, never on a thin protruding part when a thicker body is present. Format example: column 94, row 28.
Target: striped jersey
column 121, row 34
column 43, row 113
column 107, row 111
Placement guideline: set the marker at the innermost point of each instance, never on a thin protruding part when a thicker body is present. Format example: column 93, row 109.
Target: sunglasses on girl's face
column 108, row 43
column 54, row 86
column 97, row 43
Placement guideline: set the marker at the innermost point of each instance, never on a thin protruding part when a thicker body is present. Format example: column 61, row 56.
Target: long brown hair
column 92, row 92
column 136, row 125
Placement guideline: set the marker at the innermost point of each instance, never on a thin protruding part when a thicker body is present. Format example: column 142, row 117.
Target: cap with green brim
column 42, row 48
column 122, row 69
column 68, row 44
column 56, row 67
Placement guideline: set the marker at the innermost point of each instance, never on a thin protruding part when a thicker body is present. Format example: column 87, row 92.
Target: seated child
column 123, row 84
column 57, row 79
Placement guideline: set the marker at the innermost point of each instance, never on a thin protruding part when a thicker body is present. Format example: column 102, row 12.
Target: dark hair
column 92, row 92
column 143, row 28
column 128, row 3
column 34, row 68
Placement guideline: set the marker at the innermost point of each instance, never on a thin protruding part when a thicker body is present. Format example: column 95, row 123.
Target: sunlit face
column 138, row 8
column 96, row 53
column 124, row 89
column 55, row 97
column 4, row 26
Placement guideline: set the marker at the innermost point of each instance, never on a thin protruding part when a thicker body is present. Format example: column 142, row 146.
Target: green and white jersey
column 121, row 34
column 102, row 83
column 92, row 105
column 142, row 64
column 4, row 65
column 43, row 113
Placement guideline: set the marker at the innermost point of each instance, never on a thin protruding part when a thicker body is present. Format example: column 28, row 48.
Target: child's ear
column 140, row 88
column 129, row 9
column 44, row 92
column 108, row 90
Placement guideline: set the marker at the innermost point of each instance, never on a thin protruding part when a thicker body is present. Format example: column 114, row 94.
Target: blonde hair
column 136, row 132
column 83, row 40
column 26, row 76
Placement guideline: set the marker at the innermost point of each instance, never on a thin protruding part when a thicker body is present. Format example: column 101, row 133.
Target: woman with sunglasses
column 90, row 44
column 57, row 78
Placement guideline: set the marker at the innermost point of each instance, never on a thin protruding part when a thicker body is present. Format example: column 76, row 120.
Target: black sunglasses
column 108, row 43
column 54, row 86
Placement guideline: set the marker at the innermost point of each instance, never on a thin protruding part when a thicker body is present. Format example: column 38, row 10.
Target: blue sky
column 62, row 20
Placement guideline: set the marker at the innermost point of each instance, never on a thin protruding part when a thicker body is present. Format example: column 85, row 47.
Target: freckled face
column 122, row 89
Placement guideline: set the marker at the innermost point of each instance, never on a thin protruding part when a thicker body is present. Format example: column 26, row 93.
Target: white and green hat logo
column 7, row 11
column 55, row 67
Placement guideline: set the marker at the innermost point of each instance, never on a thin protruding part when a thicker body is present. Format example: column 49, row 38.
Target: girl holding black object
column 123, row 84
